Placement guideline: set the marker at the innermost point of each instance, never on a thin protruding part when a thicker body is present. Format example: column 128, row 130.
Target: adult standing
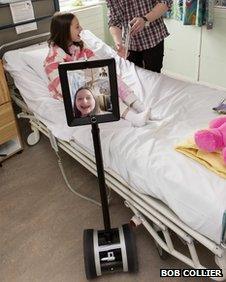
column 146, row 47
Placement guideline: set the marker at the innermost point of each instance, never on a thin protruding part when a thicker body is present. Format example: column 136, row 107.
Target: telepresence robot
column 110, row 249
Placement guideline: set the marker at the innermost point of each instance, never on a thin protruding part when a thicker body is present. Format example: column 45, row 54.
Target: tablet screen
column 90, row 91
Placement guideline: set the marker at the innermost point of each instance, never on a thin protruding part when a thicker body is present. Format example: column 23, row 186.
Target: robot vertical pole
column 100, row 174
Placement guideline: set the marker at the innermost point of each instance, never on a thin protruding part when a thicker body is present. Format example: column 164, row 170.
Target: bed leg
column 221, row 262
column 135, row 221
column 34, row 137
column 109, row 194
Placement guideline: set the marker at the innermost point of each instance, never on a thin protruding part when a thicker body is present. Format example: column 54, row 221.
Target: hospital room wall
column 197, row 54
column 92, row 18
column 95, row 19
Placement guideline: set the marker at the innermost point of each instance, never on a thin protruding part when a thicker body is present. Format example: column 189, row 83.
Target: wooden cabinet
column 10, row 141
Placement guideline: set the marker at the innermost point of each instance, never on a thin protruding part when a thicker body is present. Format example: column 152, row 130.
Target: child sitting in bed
column 65, row 45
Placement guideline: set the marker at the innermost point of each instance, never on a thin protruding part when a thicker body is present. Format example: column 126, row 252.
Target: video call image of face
column 90, row 92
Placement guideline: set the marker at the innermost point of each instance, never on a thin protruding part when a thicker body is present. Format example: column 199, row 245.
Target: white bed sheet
column 145, row 157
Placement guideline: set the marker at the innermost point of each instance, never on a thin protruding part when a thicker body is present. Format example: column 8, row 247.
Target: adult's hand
column 137, row 24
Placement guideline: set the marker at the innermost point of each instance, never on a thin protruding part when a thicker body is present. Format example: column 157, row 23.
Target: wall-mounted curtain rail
column 23, row 42
column 25, row 22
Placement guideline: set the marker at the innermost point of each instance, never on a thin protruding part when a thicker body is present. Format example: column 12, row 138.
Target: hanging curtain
column 193, row 12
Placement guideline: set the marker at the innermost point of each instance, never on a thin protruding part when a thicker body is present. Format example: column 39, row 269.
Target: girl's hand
column 137, row 24
column 121, row 50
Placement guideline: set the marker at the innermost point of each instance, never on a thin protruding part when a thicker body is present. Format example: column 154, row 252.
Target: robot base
column 107, row 251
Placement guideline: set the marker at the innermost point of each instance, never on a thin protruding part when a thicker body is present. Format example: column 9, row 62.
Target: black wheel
column 88, row 252
column 162, row 253
column 131, row 248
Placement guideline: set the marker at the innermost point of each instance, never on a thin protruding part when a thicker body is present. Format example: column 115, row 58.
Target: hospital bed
column 165, row 190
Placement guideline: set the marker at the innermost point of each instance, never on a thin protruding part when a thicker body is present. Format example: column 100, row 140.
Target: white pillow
column 13, row 61
column 35, row 59
column 100, row 48
column 14, row 58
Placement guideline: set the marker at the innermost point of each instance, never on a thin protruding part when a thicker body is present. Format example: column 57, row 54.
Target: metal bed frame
column 156, row 217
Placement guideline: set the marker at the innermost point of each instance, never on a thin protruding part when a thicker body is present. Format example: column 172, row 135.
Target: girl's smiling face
column 85, row 102
column 75, row 30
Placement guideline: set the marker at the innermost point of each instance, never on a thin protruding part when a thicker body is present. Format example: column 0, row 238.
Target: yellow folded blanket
column 212, row 161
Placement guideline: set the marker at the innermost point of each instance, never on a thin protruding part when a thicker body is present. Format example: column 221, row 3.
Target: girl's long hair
column 60, row 33
column 96, row 109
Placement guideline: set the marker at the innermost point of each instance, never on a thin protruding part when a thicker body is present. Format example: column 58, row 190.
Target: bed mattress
column 145, row 157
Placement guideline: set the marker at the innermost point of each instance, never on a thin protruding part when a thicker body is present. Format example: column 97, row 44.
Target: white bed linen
column 145, row 157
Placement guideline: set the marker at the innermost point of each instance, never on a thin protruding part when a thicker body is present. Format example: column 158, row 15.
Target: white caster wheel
column 33, row 138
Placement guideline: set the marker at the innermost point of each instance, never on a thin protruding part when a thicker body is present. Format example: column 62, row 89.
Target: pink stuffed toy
column 214, row 138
